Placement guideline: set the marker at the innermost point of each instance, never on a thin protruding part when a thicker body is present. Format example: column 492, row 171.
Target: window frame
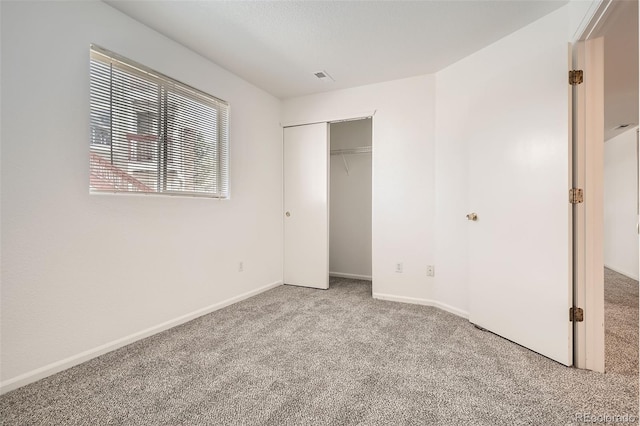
column 167, row 87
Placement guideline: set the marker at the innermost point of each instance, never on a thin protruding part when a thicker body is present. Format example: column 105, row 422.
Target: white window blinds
column 153, row 134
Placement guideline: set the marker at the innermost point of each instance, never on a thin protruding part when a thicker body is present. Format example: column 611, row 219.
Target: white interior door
column 520, row 245
column 306, row 205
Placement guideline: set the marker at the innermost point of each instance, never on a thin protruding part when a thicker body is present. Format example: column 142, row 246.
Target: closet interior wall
column 350, row 199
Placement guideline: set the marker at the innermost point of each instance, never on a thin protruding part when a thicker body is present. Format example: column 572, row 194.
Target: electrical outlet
column 430, row 271
column 241, row 267
column 399, row 267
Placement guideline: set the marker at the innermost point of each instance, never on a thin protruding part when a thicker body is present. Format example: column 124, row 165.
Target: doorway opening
column 607, row 110
column 350, row 200
column 620, row 33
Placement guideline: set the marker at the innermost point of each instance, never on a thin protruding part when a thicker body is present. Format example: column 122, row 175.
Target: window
column 152, row 134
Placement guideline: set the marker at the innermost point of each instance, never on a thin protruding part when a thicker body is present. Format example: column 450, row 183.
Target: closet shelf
column 359, row 150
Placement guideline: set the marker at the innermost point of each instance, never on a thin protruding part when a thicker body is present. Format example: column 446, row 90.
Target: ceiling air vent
column 622, row 126
column 323, row 75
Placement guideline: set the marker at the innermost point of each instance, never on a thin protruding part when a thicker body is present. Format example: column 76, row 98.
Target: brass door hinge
column 576, row 196
column 575, row 77
column 576, row 314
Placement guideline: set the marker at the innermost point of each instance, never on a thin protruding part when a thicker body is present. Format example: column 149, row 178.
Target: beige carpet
column 620, row 323
column 297, row 356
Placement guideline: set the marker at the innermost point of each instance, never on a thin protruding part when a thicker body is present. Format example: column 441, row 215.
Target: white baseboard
column 626, row 274
column 353, row 276
column 425, row 302
column 48, row 370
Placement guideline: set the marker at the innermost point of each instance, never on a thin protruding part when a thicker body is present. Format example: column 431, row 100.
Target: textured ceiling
column 278, row 45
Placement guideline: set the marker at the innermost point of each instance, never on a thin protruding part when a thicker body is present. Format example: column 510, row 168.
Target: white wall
column 350, row 201
column 620, row 204
column 403, row 175
column 83, row 273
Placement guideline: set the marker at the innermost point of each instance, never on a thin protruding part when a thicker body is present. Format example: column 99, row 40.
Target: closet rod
column 359, row 150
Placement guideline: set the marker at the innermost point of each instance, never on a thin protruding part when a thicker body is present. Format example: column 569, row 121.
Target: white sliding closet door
column 306, row 205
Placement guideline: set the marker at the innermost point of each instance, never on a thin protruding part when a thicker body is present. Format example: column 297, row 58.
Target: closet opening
column 350, row 202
